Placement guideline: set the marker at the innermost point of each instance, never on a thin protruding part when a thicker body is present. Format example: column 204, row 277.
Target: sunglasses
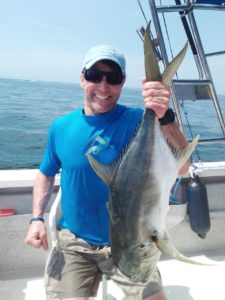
column 96, row 76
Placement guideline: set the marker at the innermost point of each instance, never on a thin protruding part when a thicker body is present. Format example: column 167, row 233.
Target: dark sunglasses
column 96, row 76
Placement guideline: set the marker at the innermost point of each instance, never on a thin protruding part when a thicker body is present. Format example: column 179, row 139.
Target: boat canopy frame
column 191, row 89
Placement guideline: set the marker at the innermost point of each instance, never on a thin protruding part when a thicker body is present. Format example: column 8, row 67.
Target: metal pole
column 206, row 69
column 165, row 57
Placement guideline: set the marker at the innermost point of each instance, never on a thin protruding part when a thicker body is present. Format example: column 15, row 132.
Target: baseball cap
column 101, row 52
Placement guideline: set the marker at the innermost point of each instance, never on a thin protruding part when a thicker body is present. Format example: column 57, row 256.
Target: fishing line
column 167, row 33
column 141, row 8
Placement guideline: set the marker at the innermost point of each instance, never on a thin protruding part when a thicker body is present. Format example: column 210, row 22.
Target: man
column 73, row 272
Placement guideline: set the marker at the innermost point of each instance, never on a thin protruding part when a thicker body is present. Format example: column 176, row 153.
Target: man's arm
column 37, row 235
column 157, row 96
column 175, row 136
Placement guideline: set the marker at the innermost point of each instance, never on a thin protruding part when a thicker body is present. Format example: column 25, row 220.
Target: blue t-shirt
column 84, row 195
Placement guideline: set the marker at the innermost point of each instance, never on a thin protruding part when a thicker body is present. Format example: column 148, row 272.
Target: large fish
column 140, row 181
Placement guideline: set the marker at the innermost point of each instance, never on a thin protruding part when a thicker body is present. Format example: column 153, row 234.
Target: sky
column 48, row 39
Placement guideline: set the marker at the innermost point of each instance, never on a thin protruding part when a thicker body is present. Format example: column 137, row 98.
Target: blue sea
column 27, row 109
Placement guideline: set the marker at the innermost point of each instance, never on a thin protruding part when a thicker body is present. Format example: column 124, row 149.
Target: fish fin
column 164, row 244
column 172, row 67
column 151, row 64
column 183, row 155
column 105, row 172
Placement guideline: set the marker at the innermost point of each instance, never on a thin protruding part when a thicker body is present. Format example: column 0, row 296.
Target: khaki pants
column 74, row 269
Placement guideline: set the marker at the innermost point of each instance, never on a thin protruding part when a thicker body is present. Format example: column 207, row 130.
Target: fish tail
column 151, row 63
column 172, row 67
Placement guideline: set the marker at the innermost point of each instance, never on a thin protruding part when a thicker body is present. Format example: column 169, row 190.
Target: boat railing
column 202, row 88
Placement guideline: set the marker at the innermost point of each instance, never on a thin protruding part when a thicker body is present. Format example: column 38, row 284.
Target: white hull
column 20, row 261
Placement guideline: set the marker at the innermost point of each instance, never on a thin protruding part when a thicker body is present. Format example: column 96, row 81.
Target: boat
column 22, row 267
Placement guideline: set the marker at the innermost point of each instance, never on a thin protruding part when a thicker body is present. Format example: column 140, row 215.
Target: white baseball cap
column 102, row 52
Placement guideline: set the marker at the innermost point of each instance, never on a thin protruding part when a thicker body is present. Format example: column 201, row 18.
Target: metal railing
column 202, row 88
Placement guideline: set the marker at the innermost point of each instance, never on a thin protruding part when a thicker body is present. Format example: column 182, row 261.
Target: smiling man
column 73, row 271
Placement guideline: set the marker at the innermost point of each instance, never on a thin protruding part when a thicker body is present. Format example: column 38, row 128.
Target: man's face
column 100, row 97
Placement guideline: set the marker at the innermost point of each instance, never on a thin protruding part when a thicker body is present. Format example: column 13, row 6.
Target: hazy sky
column 47, row 39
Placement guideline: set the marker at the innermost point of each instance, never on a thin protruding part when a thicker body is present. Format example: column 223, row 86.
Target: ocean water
column 27, row 109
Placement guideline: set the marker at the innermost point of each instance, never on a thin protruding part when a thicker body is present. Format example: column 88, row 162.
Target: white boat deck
column 181, row 282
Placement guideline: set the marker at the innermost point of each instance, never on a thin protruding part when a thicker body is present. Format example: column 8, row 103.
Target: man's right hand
column 37, row 235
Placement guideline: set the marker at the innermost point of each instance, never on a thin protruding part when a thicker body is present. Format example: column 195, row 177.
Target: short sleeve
column 50, row 164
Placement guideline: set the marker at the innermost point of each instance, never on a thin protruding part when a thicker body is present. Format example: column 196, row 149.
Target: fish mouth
column 146, row 250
